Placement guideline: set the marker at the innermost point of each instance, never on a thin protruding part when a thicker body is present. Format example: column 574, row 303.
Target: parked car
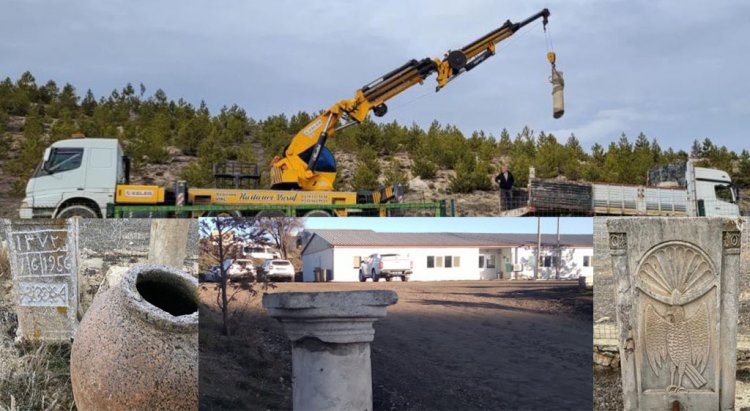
column 259, row 251
column 213, row 274
column 236, row 271
column 277, row 270
column 387, row 266
column 241, row 270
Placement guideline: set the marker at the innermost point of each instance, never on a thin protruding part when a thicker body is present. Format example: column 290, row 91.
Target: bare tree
column 282, row 231
column 219, row 241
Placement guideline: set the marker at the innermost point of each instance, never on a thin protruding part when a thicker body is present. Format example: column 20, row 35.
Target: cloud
column 624, row 61
column 605, row 125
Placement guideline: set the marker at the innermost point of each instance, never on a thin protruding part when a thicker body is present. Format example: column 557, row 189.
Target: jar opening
column 167, row 293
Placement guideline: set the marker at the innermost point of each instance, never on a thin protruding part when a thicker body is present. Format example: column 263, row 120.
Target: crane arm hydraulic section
column 308, row 165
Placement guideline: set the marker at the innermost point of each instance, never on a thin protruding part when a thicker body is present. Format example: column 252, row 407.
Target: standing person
column 505, row 181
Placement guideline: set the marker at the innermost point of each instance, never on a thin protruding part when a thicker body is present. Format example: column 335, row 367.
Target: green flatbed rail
column 441, row 208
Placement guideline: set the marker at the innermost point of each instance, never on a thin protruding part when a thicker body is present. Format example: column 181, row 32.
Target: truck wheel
column 404, row 278
column 77, row 210
column 317, row 213
column 375, row 277
column 362, row 277
column 388, row 278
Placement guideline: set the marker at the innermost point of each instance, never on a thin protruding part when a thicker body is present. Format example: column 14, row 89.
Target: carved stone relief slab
column 676, row 311
column 43, row 260
column 676, row 284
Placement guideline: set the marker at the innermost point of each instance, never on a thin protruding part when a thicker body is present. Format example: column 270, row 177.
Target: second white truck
column 387, row 266
column 672, row 190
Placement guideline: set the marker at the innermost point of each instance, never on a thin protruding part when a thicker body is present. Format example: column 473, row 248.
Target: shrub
column 425, row 169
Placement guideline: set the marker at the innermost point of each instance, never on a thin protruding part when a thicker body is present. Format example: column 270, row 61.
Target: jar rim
column 148, row 312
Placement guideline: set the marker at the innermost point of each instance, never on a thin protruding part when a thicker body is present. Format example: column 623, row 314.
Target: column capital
column 333, row 317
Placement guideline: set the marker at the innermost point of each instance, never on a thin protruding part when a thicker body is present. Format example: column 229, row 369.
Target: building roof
column 370, row 238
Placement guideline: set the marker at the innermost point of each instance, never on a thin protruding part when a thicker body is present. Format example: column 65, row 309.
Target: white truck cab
column 77, row 177
column 715, row 195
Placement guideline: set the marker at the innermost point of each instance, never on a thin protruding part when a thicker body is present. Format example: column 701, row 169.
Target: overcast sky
column 675, row 70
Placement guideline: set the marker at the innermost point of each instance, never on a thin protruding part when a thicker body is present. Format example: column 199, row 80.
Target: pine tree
column 505, row 145
column 549, row 157
column 4, row 139
column 394, row 174
column 573, row 158
column 642, row 160
column 88, row 104
column 367, row 171
column 62, row 128
column 194, row 131
column 742, row 176
column 30, row 151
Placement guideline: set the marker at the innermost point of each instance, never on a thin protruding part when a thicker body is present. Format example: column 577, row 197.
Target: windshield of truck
column 724, row 193
column 64, row 159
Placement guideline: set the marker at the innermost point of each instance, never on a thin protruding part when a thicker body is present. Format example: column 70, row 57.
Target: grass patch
column 249, row 369
column 32, row 376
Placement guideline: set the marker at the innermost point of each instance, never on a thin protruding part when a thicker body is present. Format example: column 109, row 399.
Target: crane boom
column 308, row 165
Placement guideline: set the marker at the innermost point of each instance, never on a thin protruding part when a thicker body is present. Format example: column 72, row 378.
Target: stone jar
column 137, row 346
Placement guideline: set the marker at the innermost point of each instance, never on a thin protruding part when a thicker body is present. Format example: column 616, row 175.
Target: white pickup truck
column 387, row 266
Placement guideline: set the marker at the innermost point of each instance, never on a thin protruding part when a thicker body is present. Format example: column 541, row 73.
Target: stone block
column 676, row 306
column 44, row 264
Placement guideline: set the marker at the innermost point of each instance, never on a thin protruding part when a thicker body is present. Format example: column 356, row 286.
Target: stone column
column 677, row 304
column 331, row 334
column 168, row 242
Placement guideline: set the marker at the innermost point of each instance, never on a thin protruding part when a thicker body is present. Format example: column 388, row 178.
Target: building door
column 488, row 266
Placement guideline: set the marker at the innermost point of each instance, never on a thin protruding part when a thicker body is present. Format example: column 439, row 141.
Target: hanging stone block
column 676, row 306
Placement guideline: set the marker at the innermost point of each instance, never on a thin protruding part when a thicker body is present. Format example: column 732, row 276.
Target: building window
column 448, row 261
column 481, row 261
column 430, row 261
column 491, row 261
column 457, row 261
column 438, row 261
column 550, row 261
column 587, row 261
column 357, row 262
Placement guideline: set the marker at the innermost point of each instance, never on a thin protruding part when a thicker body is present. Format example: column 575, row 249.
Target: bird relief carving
column 677, row 284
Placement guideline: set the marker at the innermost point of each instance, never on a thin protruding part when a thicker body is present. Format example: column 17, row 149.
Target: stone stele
column 676, row 306
column 331, row 334
column 44, row 262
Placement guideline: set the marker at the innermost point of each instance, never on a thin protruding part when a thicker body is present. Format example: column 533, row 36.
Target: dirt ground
column 444, row 346
column 608, row 390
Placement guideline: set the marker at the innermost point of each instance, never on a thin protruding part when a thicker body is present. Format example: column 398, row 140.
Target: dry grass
column 32, row 376
column 249, row 369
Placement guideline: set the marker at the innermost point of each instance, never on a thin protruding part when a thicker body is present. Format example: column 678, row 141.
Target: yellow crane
column 308, row 165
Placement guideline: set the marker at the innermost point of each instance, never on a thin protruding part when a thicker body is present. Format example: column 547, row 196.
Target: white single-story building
column 447, row 256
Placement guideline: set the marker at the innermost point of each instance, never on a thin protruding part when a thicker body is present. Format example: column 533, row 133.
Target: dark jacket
column 505, row 184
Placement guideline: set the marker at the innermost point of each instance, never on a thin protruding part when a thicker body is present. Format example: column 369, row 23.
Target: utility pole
column 557, row 251
column 538, row 247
